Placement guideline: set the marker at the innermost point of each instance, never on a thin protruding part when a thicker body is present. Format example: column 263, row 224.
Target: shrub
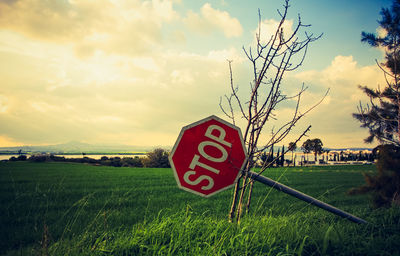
column 22, row 158
column 158, row 158
column 116, row 161
column 38, row 158
column 57, row 158
column 132, row 162
column 385, row 185
column 13, row 159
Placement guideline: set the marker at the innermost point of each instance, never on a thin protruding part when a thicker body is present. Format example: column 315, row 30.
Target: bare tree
column 283, row 52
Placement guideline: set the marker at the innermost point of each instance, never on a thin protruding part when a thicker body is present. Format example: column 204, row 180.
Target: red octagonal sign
column 208, row 156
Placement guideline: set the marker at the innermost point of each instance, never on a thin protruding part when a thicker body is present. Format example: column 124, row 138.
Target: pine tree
column 382, row 117
column 385, row 186
column 271, row 154
column 277, row 158
column 264, row 158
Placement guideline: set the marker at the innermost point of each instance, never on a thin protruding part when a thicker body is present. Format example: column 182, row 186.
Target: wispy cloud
column 210, row 20
column 332, row 121
column 124, row 71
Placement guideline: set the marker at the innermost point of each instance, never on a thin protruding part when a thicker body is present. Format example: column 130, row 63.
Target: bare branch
column 269, row 63
column 266, row 165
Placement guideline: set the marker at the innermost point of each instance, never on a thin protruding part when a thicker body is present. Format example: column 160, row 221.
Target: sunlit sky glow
column 134, row 72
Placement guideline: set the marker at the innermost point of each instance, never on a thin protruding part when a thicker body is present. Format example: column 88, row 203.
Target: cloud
column 102, row 71
column 343, row 77
column 211, row 20
column 122, row 27
column 55, row 20
column 332, row 120
column 51, row 95
column 7, row 142
column 3, row 103
column 267, row 29
column 381, row 32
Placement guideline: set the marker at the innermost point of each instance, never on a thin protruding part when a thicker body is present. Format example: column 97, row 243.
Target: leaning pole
column 283, row 188
column 192, row 163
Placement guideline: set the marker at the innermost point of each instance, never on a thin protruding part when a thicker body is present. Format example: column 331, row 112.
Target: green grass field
column 76, row 209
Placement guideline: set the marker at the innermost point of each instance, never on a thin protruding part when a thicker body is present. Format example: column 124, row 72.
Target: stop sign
column 208, row 156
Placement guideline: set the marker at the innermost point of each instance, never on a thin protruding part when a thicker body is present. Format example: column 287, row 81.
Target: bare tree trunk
column 249, row 197
column 398, row 111
column 293, row 158
column 234, row 201
column 240, row 204
column 284, row 52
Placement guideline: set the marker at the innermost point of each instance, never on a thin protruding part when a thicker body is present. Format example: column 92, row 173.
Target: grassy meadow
column 76, row 209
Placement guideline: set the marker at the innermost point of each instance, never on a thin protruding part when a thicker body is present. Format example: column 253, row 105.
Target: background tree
column 382, row 117
column 385, row 185
column 292, row 147
column 317, row 148
column 278, row 158
column 264, row 157
column 314, row 145
column 132, row 162
column 158, row 158
column 270, row 59
column 270, row 156
column 306, row 148
column 282, row 161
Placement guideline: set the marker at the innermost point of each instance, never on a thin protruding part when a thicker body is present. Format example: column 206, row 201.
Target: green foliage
column 132, row 162
column 158, row 158
column 104, row 160
column 263, row 157
column 282, row 160
column 190, row 233
column 22, row 158
column 267, row 158
column 292, row 147
column 382, row 118
column 38, row 158
column 77, row 209
column 385, row 185
column 314, row 145
column 306, row 147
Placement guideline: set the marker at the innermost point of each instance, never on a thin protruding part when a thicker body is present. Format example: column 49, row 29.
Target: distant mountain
column 78, row 147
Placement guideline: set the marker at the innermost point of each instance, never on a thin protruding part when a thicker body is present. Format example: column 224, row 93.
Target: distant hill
column 77, row 147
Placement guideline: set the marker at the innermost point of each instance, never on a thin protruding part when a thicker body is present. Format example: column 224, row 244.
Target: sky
column 135, row 72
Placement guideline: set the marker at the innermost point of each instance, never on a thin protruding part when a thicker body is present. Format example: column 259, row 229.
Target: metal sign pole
column 278, row 186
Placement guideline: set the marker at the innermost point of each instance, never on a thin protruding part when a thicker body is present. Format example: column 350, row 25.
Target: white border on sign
column 212, row 117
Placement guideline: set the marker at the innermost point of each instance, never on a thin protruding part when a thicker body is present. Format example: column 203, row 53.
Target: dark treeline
column 278, row 159
column 353, row 156
column 158, row 158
